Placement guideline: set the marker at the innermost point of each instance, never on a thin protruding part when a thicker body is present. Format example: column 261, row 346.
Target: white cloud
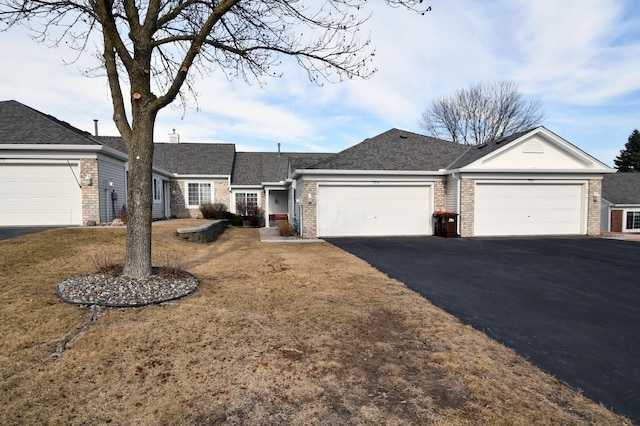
column 572, row 54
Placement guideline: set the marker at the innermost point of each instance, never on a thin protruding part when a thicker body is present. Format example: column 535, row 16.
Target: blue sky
column 581, row 58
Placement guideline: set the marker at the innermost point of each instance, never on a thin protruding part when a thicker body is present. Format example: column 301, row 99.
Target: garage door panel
column 40, row 194
column 345, row 210
column 528, row 209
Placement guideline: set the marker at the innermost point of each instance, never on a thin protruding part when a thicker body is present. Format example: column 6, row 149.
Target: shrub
column 107, row 264
column 213, row 211
column 256, row 216
column 172, row 268
column 285, row 229
column 235, row 220
column 251, row 213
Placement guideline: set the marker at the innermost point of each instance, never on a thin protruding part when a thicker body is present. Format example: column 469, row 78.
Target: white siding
column 451, row 195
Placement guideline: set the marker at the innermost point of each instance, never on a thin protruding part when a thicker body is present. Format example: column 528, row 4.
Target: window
column 157, row 190
column 199, row 193
column 633, row 220
column 245, row 201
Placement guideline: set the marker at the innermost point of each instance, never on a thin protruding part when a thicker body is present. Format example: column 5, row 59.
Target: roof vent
column 174, row 137
column 484, row 145
column 403, row 136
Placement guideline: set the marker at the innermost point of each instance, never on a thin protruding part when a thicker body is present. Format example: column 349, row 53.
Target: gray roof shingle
column 253, row 168
column 395, row 150
column 20, row 124
column 186, row 158
column 621, row 188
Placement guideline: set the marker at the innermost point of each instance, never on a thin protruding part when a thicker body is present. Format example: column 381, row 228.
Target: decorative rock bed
column 121, row 291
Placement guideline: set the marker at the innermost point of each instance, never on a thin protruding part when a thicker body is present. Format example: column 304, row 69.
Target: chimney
column 174, row 137
column 95, row 127
column 278, row 149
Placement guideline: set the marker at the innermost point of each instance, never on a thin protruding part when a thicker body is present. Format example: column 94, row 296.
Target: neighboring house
column 532, row 183
column 621, row 202
column 53, row 174
column 199, row 173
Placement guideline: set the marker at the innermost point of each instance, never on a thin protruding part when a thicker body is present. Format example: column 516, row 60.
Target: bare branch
column 481, row 113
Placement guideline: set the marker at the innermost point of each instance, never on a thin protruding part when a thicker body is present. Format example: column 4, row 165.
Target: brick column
column 467, row 205
column 221, row 193
column 309, row 209
column 439, row 196
column 178, row 207
column 593, row 207
column 90, row 193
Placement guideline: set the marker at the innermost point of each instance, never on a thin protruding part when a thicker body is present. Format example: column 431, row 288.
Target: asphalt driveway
column 569, row 305
column 7, row 232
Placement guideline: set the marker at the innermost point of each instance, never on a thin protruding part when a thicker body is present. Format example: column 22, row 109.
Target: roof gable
column 534, row 150
column 395, row 150
column 20, row 124
column 621, row 188
column 255, row 168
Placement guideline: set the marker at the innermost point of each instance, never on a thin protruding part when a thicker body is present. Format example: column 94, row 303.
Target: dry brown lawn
column 276, row 334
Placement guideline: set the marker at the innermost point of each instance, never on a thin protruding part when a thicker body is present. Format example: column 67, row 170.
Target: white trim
column 327, row 172
column 186, row 192
column 377, row 183
column 199, row 176
column 624, row 219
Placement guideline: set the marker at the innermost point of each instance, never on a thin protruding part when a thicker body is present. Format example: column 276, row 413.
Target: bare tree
column 153, row 49
column 480, row 113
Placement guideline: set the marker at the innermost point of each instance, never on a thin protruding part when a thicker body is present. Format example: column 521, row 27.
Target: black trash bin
column 449, row 225
column 437, row 224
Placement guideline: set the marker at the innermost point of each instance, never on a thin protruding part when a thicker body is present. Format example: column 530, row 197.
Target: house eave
column 534, row 171
column 197, row 176
column 328, row 172
column 61, row 148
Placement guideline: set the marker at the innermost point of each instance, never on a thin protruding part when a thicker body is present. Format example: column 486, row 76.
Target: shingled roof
column 186, row 158
column 395, row 150
column 253, row 168
column 20, row 124
column 621, row 188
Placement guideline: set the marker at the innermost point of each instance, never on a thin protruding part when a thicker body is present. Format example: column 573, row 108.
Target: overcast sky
column 581, row 58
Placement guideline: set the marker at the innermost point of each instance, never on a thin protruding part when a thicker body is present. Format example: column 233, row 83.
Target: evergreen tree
column 629, row 158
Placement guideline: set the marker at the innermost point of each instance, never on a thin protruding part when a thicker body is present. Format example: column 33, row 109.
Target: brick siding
column 467, row 206
column 439, row 196
column 309, row 208
column 593, row 207
column 90, row 193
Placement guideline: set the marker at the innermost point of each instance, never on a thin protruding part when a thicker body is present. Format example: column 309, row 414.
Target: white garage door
column 528, row 209
column 40, row 194
column 380, row 210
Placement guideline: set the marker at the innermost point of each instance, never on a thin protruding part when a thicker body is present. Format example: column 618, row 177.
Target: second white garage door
column 379, row 210
column 40, row 194
column 528, row 209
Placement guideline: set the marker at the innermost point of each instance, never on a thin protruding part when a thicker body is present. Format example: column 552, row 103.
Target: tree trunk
column 139, row 198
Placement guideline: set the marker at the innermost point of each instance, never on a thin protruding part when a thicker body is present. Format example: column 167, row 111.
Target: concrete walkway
column 271, row 235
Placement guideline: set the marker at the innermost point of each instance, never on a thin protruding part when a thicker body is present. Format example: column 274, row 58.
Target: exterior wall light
column 87, row 180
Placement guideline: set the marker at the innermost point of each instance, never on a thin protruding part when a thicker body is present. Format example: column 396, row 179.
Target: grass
column 276, row 334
